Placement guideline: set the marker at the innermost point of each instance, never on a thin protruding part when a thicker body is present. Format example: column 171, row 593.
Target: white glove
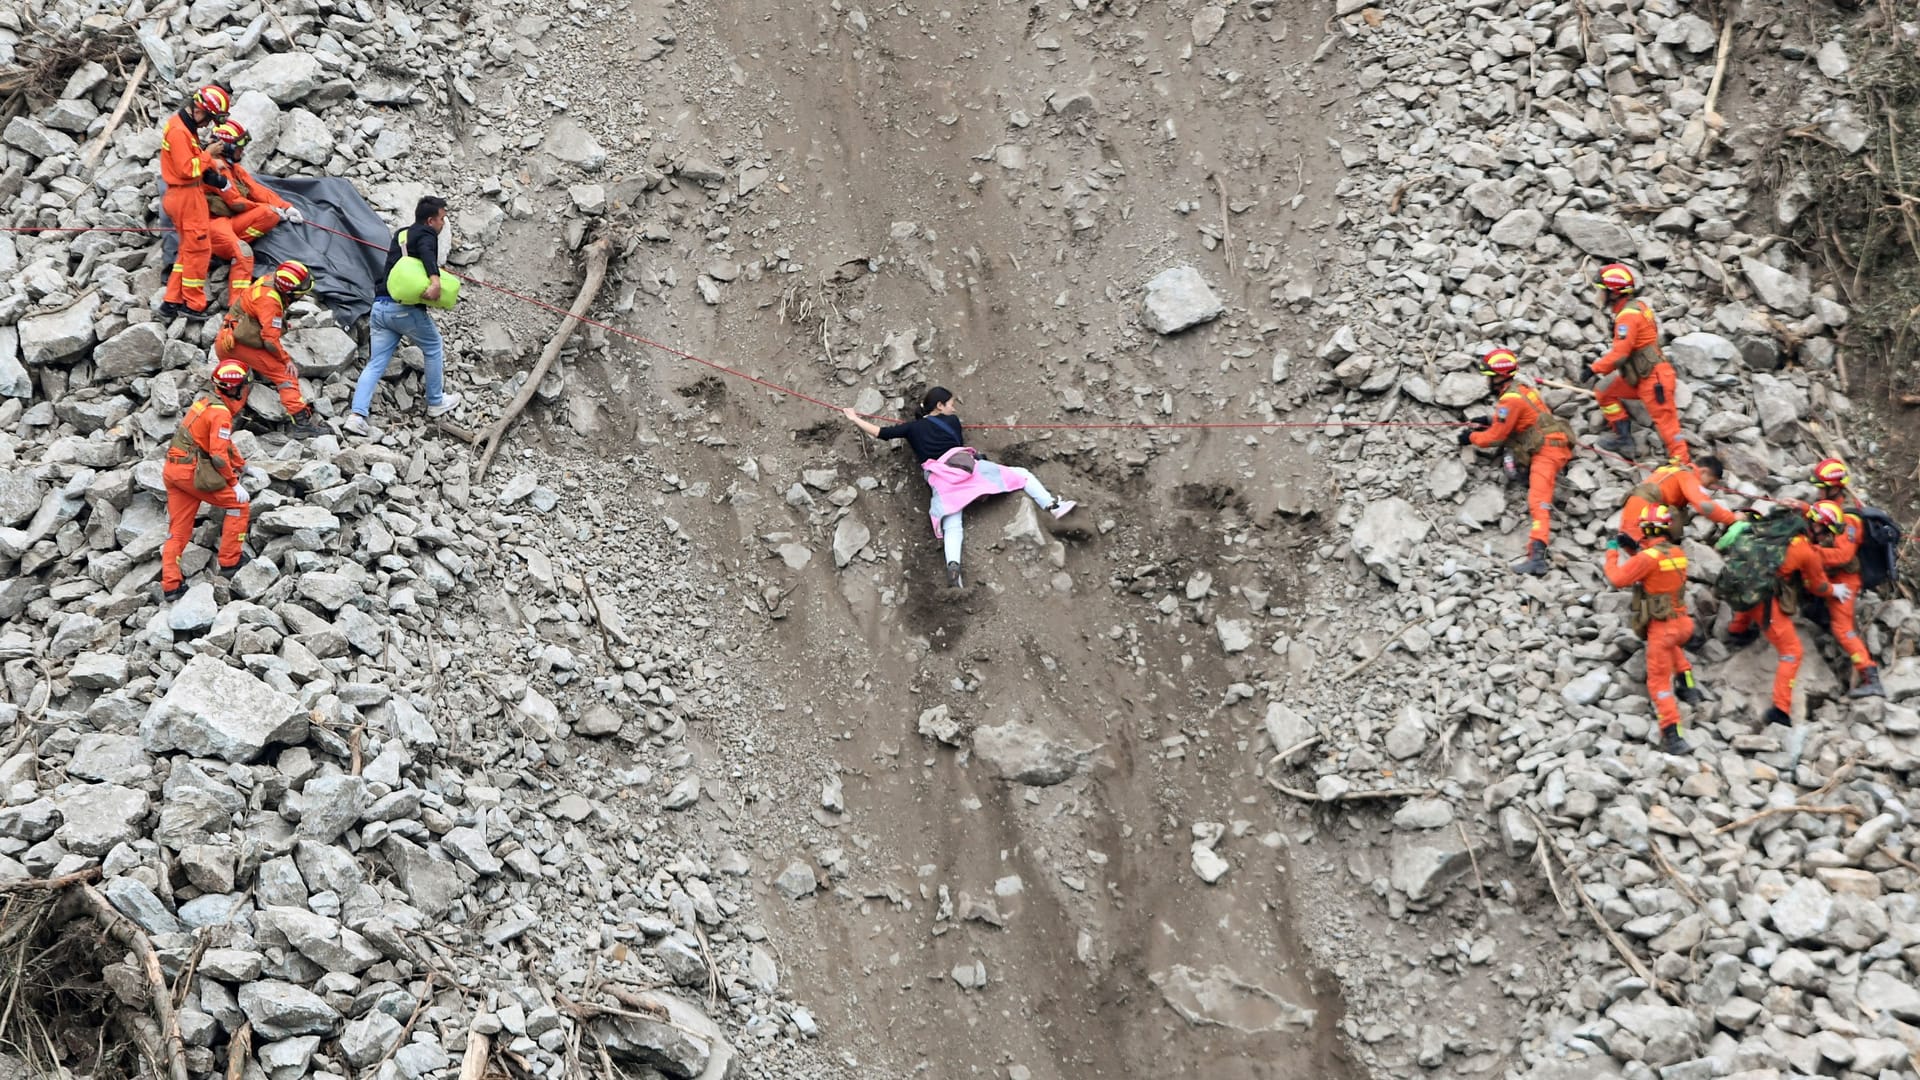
column 240, row 494
column 1842, row 593
column 294, row 215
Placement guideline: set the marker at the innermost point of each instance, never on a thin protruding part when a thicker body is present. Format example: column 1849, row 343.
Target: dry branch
column 1775, row 811
column 1620, row 946
column 53, row 883
column 238, row 1048
column 1352, row 796
column 597, row 254
column 113, row 121
column 473, row 1065
column 126, row 933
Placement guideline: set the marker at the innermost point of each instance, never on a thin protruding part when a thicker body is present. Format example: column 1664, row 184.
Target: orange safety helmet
column 293, row 278
column 1831, row 473
column 1657, row 519
column 230, row 379
column 1827, row 514
column 1618, row 279
column 230, row 133
column 214, row 99
column 1499, row 363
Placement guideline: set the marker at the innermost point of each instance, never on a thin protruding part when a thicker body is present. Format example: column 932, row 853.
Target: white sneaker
column 355, row 424
column 1061, row 509
column 448, row 403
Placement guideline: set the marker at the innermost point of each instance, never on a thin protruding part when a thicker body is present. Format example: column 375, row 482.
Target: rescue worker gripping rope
column 1774, row 615
column 1657, row 571
column 185, row 167
column 204, row 467
column 1535, row 439
column 252, row 337
column 1640, row 370
column 1842, row 561
column 242, row 211
column 1682, row 488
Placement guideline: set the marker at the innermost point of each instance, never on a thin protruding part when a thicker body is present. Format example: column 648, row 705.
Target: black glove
column 1466, row 438
column 1588, row 375
column 1480, row 423
column 214, row 180
column 1628, row 544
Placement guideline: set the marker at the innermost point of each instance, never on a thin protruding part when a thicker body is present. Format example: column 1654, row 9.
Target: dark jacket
column 416, row 240
column 930, row 436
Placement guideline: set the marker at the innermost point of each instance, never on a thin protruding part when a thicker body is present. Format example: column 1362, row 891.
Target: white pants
column 952, row 531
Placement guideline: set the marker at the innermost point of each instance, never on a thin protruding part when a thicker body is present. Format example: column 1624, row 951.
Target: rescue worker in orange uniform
column 203, row 445
column 1657, row 570
column 1639, row 369
column 1535, row 440
column 243, row 211
column 185, row 168
column 251, row 336
column 1842, row 560
column 1775, row 617
column 1682, row 488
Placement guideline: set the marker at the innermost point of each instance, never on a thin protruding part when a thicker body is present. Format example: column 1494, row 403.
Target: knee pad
column 245, row 249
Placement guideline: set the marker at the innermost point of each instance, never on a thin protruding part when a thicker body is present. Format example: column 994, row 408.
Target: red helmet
column 1827, row 514
column 293, row 278
column 1657, row 519
column 229, row 133
column 1618, row 279
column 230, row 379
column 214, row 99
column 1831, row 473
column 1499, row 363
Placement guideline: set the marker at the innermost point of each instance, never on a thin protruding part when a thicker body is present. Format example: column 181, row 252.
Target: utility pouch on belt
column 1649, row 609
column 246, row 329
column 205, row 476
column 217, row 206
column 1639, row 364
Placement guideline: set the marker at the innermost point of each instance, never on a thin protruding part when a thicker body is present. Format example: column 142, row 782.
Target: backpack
column 1754, row 554
column 1879, row 548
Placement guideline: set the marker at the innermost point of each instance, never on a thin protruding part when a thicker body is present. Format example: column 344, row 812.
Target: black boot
column 1686, row 689
column 1621, row 441
column 1740, row 639
column 1672, row 743
column 305, row 425
column 1536, row 561
column 1869, row 684
column 175, row 593
column 1776, row 715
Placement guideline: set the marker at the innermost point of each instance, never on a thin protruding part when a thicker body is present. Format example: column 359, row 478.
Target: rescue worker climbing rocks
column 204, row 467
column 1640, row 370
column 252, row 336
column 1535, row 440
column 1774, row 617
column 186, row 168
column 244, row 210
column 1657, row 571
column 1682, row 488
column 1842, row 561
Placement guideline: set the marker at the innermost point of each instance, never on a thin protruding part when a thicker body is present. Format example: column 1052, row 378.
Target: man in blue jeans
column 393, row 320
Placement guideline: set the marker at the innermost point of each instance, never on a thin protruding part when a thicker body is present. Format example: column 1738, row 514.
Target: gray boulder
column 213, row 710
column 52, row 336
column 100, row 817
column 1388, row 533
column 1595, row 235
column 1022, row 754
column 1777, row 289
column 1179, row 298
column 687, row 1045
column 280, row 1010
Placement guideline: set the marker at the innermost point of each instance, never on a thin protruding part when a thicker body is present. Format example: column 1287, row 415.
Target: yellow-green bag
column 407, row 281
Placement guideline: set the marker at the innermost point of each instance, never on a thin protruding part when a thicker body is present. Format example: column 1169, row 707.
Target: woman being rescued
column 958, row 473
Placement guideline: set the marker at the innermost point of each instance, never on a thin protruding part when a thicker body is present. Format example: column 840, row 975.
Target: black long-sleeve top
column 416, row 240
column 929, row 436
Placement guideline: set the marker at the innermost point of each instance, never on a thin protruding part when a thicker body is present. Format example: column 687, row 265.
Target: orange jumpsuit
column 271, row 364
column 1679, row 487
column 1634, row 329
column 1803, row 558
column 209, row 422
column 1660, row 569
column 182, row 164
column 1539, row 440
column 1842, row 562
column 250, row 215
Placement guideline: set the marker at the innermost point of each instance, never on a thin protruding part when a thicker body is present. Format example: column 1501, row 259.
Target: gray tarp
column 343, row 272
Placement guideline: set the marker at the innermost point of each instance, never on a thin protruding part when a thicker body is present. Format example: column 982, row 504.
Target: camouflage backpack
column 1754, row 552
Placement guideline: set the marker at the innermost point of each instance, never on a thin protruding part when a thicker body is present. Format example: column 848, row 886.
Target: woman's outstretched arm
column 861, row 422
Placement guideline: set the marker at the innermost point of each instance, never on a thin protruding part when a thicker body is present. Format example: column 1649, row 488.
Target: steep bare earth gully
column 956, row 215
